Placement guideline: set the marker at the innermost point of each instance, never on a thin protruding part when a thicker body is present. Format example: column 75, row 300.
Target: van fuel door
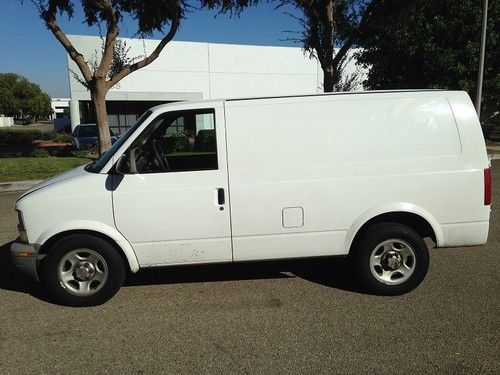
column 292, row 217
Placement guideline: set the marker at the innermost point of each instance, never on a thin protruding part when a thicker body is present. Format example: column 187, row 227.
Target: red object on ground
column 53, row 145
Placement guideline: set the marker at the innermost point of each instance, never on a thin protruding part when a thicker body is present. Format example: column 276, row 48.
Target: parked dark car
column 85, row 136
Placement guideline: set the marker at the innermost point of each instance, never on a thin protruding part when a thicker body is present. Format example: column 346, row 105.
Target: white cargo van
column 362, row 174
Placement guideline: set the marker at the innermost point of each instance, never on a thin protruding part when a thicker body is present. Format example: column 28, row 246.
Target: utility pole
column 479, row 92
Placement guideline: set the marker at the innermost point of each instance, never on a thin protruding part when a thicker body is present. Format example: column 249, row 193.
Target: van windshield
column 99, row 164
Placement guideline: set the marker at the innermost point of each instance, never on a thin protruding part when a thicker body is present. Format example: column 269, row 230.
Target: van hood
column 79, row 171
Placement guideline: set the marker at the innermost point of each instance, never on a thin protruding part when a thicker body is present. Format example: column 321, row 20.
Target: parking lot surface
column 305, row 317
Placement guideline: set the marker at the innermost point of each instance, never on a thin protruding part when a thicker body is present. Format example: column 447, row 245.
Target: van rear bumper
column 25, row 258
column 465, row 234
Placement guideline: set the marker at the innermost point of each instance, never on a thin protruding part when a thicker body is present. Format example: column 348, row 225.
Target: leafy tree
column 98, row 77
column 433, row 44
column 330, row 28
column 20, row 97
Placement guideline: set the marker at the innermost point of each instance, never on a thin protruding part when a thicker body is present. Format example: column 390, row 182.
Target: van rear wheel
column 83, row 270
column 391, row 259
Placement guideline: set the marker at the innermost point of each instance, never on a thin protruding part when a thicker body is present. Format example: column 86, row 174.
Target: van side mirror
column 121, row 166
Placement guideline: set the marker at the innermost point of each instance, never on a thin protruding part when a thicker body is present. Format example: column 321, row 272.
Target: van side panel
column 474, row 158
column 333, row 158
column 347, row 129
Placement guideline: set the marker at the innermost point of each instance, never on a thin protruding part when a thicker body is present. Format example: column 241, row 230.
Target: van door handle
column 220, row 196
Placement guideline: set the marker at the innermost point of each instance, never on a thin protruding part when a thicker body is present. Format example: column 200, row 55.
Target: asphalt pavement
column 275, row 318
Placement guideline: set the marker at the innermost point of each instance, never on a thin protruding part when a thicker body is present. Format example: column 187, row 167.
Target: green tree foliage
column 22, row 98
column 433, row 44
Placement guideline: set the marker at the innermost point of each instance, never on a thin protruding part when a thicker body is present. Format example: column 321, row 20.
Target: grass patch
column 20, row 169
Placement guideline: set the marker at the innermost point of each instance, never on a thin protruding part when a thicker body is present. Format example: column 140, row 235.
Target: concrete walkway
column 17, row 185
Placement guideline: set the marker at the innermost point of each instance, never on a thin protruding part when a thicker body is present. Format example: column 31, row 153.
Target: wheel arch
column 123, row 247
column 414, row 217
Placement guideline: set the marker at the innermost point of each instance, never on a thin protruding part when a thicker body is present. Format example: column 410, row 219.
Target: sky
column 29, row 49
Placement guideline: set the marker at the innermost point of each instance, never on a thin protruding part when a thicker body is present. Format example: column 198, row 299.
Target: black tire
column 371, row 244
column 108, row 259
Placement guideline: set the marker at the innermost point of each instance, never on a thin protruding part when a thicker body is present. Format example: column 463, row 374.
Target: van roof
column 300, row 96
column 336, row 93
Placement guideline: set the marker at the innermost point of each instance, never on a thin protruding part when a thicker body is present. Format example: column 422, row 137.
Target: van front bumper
column 25, row 258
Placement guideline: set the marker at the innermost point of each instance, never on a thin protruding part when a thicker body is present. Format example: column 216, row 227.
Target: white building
column 195, row 71
column 60, row 107
column 6, row 121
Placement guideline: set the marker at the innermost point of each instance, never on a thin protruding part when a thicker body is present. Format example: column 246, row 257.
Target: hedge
column 19, row 137
column 177, row 142
column 57, row 137
column 26, row 137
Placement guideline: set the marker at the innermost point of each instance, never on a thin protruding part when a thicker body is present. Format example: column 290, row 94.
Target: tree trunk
column 328, row 79
column 331, row 77
column 98, row 96
column 327, row 53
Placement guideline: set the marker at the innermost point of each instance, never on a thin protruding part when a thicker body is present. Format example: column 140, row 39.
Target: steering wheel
column 160, row 156
column 135, row 157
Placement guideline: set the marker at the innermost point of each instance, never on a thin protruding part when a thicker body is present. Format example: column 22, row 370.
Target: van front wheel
column 83, row 270
column 391, row 259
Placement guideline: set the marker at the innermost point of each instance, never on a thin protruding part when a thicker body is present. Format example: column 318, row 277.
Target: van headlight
column 20, row 227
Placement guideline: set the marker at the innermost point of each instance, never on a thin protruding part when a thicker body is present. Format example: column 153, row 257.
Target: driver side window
column 174, row 142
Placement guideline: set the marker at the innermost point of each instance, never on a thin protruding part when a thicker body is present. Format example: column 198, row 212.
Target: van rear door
column 180, row 214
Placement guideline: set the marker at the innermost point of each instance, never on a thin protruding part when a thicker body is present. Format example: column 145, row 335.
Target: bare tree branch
column 342, row 52
column 49, row 17
column 147, row 60
column 109, row 43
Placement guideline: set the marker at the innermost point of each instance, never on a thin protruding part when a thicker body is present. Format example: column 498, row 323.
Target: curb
column 17, row 185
